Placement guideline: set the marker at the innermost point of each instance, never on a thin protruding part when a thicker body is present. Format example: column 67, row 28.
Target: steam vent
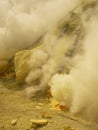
column 48, row 64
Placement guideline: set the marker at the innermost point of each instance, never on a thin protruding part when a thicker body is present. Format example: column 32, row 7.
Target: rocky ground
column 17, row 112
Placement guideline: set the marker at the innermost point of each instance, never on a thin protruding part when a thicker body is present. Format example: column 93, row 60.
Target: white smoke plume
column 78, row 90
column 23, row 22
column 85, row 73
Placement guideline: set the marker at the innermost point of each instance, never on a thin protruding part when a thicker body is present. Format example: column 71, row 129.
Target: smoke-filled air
column 52, row 45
